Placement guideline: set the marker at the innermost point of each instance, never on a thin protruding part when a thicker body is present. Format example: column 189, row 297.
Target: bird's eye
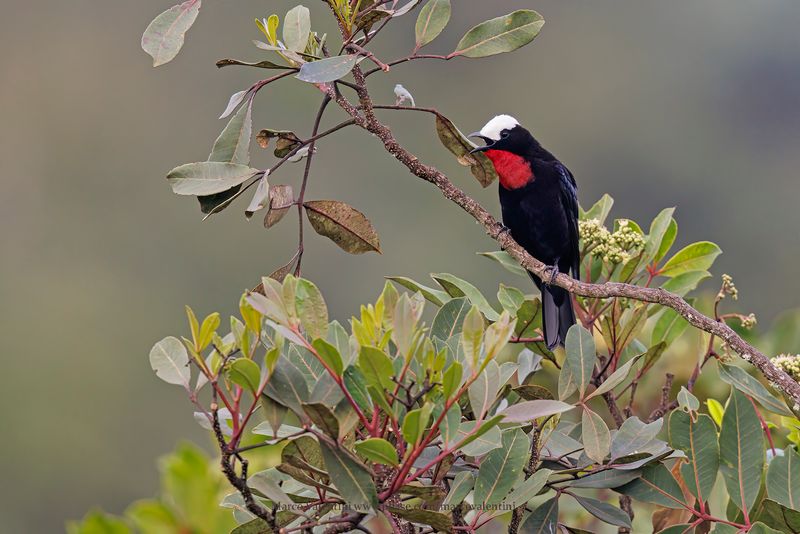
column 504, row 134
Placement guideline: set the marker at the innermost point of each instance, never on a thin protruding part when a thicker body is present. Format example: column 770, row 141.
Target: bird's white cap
column 493, row 128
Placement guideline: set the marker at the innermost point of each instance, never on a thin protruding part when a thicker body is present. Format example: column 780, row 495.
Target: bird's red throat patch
column 514, row 172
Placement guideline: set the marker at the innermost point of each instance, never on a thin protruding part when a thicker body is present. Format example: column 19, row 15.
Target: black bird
column 539, row 200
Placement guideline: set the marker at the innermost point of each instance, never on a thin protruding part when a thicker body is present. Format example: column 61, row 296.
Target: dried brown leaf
column 344, row 225
column 281, row 198
column 454, row 141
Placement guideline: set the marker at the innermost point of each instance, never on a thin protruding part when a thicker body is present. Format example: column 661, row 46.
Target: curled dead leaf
column 281, row 198
column 457, row 143
column 286, row 141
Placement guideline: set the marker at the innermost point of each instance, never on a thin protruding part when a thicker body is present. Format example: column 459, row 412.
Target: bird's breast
column 514, row 171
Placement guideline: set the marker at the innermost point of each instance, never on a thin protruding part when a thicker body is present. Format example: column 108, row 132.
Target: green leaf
column 614, row 379
column 544, row 519
column 472, row 338
column 324, row 418
column 311, row 309
column 741, row 447
column 433, row 17
column 355, row 383
column 667, row 241
column 686, row 528
column 669, row 326
column 600, row 209
column 97, row 522
column 451, row 379
column 566, row 382
column 457, row 287
column 510, row 298
column 327, row 70
column 150, row 516
column 612, row 478
column 296, row 28
column 596, row 436
column 245, row 373
column 483, row 391
column 761, row 528
column 698, row 256
column 164, row 37
column 170, row 360
column 450, row 424
column 232, row 146
column 715, row 410
column 263, row 483
column 500, row 468
column 657, row 486
column 526, row 490
column 478, row 442
column 233, row 143
column 378, row 450
column 604, row 511
column 440, row 521
column 414, row 424
column 686, row 282
column 457, row 143
column 287, row 386
column 459, row 489
column 449, row 319
column 525, row 412
column 581, row 356
column 344, row 225
column 207, row 330
column 208, row 177
column 504, row 258
column 329, row 355
column 698, row 439
column 687, row 401
column 783, row 479
column 302, row 459
column 436, row 296
column 349, row 476
column 741, row 380
column 776, row 516
column 659, row 235
column 501, row 34
column 633, row 436
column 377, row 367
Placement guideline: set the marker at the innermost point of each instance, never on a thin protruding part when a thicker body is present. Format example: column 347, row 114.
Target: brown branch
column 516, row 515
column 301, row 196
column 239, row 482
column 495, row 230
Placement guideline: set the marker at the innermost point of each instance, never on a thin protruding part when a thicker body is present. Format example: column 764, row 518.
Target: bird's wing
column 569, row 197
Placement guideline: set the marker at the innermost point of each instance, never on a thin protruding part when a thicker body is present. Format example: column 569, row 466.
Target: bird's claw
column 503, row 230
column 551, row 272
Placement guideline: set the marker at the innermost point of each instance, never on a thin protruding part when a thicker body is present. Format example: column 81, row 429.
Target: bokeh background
column 685, row 103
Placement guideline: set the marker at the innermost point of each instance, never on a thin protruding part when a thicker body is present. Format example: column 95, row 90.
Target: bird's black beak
column 486, row 140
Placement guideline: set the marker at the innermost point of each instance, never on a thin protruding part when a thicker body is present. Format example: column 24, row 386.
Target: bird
column 539, row 204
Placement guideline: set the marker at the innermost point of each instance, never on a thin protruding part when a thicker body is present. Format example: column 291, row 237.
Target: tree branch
column 495, row 230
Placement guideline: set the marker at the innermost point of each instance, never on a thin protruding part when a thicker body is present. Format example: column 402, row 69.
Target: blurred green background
column 693, row 104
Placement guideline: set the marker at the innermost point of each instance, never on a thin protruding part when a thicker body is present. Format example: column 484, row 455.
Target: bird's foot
column 551, row 272
column 503, row 229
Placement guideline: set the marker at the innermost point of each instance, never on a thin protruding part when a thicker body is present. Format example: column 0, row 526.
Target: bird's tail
column 557, row 315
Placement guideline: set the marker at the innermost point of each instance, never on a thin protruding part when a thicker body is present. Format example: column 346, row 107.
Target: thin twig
column 301, row 196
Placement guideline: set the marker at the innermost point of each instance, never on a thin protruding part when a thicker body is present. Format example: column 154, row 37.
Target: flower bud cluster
column 790, row 363
column 749, row 321
column 728, row 287
column 616, row 247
